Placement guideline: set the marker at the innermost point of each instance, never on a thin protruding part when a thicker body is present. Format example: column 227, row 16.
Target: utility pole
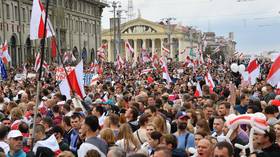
column 115, row 5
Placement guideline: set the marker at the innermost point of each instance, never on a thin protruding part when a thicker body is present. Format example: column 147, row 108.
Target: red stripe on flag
column 53, row 47
column 73, row 83
column 274, row 68
column 252, row 66
column 41, row 28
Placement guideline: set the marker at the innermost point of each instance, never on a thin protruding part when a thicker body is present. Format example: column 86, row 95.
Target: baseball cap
column 14, row 134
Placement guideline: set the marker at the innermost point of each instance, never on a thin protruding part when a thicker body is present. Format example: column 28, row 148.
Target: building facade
column 142, row 33
column 77, row 24
column 152, row 36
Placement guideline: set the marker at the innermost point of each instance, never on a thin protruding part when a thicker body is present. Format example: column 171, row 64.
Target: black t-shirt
column 271, row 151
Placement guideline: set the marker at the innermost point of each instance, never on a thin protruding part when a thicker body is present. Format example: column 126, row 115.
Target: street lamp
column 168, row 22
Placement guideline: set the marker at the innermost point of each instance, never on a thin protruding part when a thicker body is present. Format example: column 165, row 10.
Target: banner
column 60, row 73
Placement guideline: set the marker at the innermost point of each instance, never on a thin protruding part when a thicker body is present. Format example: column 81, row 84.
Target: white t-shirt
column 5, row 146
column 85, row 147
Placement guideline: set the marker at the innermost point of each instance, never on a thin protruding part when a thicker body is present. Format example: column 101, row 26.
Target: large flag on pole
column 253, row 70
column 273, row 76
column 76, row 82
column 5, row 53
column 38, row 21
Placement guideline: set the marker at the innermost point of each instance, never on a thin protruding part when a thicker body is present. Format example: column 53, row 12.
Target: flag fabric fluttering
column 146, row 71
column 253, row 70
column 128, row 47
column 120, row 62
column 3, row 71
column 53, row 45
column 101, row 52
column 209, row 82
column 165, row 73
column 38, row 62
column 198, row 91
column 37, row 22
column 68, row 57
column 273, row 76
column 6, row 58
column 145, row 56
column 50, row 143
column 166, row 50
column 94, row 80
column 75, row 84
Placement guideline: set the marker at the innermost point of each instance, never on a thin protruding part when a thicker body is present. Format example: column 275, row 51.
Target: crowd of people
column 136, row 114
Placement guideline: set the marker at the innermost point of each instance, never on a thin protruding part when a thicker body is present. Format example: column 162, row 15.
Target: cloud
column 221, row 16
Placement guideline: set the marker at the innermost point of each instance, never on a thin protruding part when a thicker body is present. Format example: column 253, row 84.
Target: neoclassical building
column 77, row 22
column 142, row 33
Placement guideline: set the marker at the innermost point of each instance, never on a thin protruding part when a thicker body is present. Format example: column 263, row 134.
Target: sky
column 255, row 23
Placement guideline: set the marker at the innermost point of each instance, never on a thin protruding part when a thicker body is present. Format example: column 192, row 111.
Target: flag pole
column 40, row 74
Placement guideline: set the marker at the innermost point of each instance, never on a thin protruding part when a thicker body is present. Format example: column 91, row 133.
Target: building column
column 171, row 48
column 144, row 44
column 153, row 46
column 135, row 49
column 126, row 51
column 161, row 46
column 109, row 50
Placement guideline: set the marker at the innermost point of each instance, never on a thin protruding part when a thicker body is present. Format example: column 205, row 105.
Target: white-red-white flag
column 273, row 76
column 94, row 79
column 75, row 84
column 94, row 66
column 38, row 62
column 198, row 91
column 209, row 82
column 166, row 50
column 253, row 70
column 68, row 57
column 145, row 56
column 120, row 62
column 37, row 22
column 128, row 47
column 6, row 58
column 145, row 71
column 165, row 73
column 101, row 52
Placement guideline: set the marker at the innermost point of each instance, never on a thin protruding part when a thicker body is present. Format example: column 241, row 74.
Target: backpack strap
column 186, row 139
column 137, row 133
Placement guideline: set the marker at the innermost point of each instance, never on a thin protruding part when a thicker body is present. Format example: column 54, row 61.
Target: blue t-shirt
column 20, row 153
column 181, row 141
column 241, row 109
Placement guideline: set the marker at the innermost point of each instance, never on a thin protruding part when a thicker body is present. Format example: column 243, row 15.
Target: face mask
column 182, row 125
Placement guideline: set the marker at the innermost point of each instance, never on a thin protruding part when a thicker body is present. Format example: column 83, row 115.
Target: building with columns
column 76, row 22
column 152, row 36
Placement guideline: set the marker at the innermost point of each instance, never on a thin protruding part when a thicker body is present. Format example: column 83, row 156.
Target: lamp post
column 115, row 5
column 168, row 21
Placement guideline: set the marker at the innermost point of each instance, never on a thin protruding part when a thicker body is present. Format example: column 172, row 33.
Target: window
column 0, row 10
column 23, row 15
column 16, row 13
column 13, row 13
column 8, row 11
